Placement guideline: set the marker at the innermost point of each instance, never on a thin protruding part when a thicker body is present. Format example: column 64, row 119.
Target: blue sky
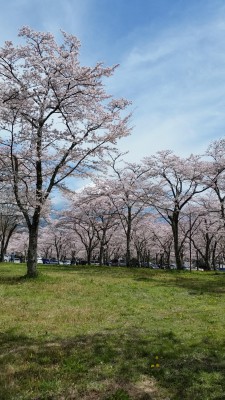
column 171, row 55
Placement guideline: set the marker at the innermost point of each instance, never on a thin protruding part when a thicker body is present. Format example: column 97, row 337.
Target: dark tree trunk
column 168, row 258
column 138, row 257
column 57, row 250
column 128, row 235
column 2, row 253
column 101, row 253
column 89, row 252
column 214, row 256
column 197, row 259
column 32, row 251
column 161, row 260
column 102, row 247
column 175, row 229
column 207, row 253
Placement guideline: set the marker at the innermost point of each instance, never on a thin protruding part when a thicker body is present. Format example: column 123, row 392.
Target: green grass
column 111, row 333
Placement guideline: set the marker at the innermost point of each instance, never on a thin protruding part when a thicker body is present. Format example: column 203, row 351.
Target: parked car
column 16, row 260
column 114, row 262
column 118, row 262
column 66, row 262
column 95, row 262
column 53, row 261
column 82, row 262
column 154, row 266
column 46, row 260
column 122, row 262
column 39, row 260
column 146, row 264
column 50, row 261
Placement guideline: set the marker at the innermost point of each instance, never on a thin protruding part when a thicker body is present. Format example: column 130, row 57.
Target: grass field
column 111, row 333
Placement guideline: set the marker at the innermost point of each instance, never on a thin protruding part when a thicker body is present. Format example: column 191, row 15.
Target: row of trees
column 165, row 209
column 166, row 206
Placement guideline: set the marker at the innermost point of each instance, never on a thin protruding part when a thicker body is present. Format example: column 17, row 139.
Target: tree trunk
column 89, row 253
column 207, row 253
column 197, row 259
column 214, row 256
column 175, row 229
column 2, row 253
column 32, row 251
column 168, row 258
column 138, row 257
column 102, row 247
column 128, row 235
column 161, row 260
column 101, row 253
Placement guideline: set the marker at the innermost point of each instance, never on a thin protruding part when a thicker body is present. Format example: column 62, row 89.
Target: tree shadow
column 210, row 283
column 119, row 272
column 143, row 279
column 12, row 280
column 112, row 366
column 58, row 268
column 197, row 283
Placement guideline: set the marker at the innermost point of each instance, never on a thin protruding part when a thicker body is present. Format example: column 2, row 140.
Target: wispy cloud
column 44, row 15
column 177, row 83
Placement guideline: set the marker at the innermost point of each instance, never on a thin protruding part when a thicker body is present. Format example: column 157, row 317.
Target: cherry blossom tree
column 10, row 215
column 81, row 221
column 163, row 238
column 216, row 172
column 207, row 228
column 179, row 180
column 18, row 244
column 4, row 172
column 56, row 120
column 9, row 220
column 142, row 238
column 56, row 241
column 103, row 214
column 125, row 191
column 116, row 247
column 45, row 243
column 84, row 228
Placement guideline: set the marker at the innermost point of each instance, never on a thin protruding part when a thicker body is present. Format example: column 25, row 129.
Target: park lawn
column 111, row 333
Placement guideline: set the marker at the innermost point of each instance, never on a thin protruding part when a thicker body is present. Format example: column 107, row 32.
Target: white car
column 94, row 262
column 39, row 260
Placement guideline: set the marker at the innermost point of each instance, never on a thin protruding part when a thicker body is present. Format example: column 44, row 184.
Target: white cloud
column 44, row 15
column 177, row 83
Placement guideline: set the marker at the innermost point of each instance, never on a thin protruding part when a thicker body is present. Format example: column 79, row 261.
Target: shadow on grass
column 196, row 283
column 18, row 280
column 12, row 280
column 112, row 366
column 199, row 285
